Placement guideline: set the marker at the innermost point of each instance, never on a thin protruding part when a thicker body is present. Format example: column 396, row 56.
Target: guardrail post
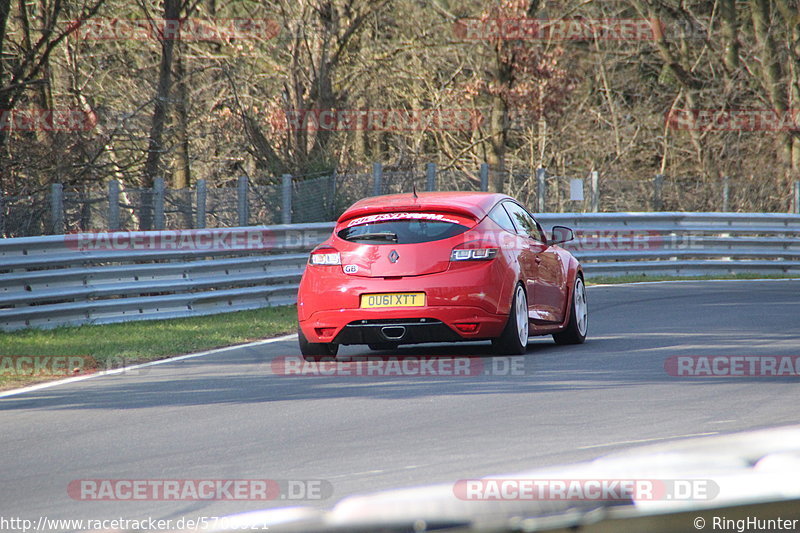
column 241, row 201
column 658, row 185
column 202, row 194
column 797, row 197
column 430, row 184
column 484, row 177
column 377, row 178
column 2, row 214
column 113, row 205
column 286, row 195
column 726, row 195
column 595, row 198
column 158, row 204
column 541, row 189
column 57, row 208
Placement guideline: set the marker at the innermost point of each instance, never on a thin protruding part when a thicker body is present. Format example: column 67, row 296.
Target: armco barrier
column 114, row 277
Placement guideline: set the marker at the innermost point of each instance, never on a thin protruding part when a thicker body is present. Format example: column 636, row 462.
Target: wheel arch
column 574, row 270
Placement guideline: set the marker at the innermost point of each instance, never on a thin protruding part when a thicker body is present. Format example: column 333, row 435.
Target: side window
column 501, row 218
column 523, row 221
column 541, row 231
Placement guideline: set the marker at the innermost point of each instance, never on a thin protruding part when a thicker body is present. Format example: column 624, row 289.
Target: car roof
column 476, row 204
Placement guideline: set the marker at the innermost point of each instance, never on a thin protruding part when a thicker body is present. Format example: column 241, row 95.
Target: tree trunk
column 730, row 35
column 181, row 178
column 155, row 146
column 5, row 10
column 496, row 156
column 772, row 77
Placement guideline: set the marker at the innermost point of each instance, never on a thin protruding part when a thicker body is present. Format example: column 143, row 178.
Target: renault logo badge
column 394, row 256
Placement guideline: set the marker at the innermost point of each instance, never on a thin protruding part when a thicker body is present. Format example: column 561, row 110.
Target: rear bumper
column 405, row 331
column 402, row 326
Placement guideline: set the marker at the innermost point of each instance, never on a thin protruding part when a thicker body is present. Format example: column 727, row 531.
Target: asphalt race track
column 227, row 416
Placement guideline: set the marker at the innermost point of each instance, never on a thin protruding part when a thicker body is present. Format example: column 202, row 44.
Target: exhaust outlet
column 393, row 333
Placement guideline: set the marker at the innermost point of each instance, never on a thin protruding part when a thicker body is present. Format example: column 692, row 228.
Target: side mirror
column 561, row 234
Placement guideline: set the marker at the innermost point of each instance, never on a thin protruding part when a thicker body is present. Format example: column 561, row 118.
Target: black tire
column 316, row 351
column 383, row 346
column 575, row 332
column 513, row 340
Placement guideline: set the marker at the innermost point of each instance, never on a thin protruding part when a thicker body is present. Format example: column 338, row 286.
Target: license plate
column 393, row 299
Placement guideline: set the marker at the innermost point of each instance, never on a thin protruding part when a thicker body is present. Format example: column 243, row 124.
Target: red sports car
column 439, row 267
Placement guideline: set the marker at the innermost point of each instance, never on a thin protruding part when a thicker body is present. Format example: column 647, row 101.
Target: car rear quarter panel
column 574, row 269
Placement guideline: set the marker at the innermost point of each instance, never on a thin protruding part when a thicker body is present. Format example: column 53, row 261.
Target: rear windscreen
column 403, row 228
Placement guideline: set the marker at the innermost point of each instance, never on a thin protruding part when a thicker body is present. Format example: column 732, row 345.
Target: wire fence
column 320, row 198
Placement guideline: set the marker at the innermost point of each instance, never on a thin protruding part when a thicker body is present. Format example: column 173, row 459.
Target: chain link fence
column 319, row 198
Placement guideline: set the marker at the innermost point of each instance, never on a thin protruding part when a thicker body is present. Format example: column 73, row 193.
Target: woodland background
column 190, row 108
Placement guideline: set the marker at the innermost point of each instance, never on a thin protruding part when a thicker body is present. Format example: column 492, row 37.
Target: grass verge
column 115, row 345
column 602, row 280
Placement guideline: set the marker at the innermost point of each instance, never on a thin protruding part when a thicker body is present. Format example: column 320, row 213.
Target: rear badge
column 394, row 256
column 350, row 269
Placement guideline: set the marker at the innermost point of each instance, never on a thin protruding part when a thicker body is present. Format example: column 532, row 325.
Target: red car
column 439, row 267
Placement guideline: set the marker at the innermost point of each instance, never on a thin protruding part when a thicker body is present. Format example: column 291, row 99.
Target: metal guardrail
column 113, row 277
column 120, row 276
column 682, row 244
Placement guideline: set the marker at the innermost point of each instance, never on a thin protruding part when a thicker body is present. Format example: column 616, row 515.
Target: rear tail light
column 325, row 256
column 473, row 254
column 467, row 328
